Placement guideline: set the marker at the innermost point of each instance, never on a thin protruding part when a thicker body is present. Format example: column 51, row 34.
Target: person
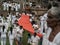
column 41, row 23
column 54, row 22
column 19, row 35
column 4, row 5
column 29, row 39
column 7, row 6
column 16, row 7
column 6, row 23
column 11, row 36
column 53, row 16
column 1, row 24
column 34, row 39
column 3, row 36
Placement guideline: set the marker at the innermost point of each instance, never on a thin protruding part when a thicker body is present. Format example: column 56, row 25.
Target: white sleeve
column 48, row 32
column 51, row 43
column 57, row 39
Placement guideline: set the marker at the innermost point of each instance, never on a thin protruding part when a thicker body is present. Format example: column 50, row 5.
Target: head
column 29, row 35
column 53, row 20
column 11, row 29
column 21, row 27
column 55, row 10
column 3, row 28
column 1, row 15
column 54, row 14
column 35, row 34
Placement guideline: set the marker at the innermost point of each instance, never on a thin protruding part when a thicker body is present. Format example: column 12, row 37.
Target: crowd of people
column 9, row 26
column 14, row 6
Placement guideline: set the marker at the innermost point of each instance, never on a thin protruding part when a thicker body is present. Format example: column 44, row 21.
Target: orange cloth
column 25, row 22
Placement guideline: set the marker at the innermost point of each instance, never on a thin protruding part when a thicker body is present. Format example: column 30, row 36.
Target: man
column 34, row 39
column 11, row 36
column 4, row 5
column 3, row 36
column 54, row 22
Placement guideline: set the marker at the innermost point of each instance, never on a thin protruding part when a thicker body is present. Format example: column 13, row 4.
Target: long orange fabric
column 25, row 22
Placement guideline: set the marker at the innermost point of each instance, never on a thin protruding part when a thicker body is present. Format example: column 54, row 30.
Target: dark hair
column 29, row 35
column 11, row 29
column 1, row 15
column 21, row 27
column 3, row 28
column 35, row 34
column 49, row 6
column 58, row 0
column 55, row 4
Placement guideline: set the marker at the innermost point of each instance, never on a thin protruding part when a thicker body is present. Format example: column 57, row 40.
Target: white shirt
column 7, row 5
column 15, row 32
column 45, row 16
column 35, row 39
column 3, row 34
column 30, row 4
column 57, row 39
column 4, row 4
column 18, row 6
column 49, row 30
column 21, row 32
column 11, row 36
column 6, row 25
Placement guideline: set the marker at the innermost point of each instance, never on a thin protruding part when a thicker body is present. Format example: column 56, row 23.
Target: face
column 52, row 16
column 51, row 21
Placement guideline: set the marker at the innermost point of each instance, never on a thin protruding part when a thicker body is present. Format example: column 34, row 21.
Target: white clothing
column 43, row 23
column 46, row 36
column 35, row 40
column 49, row 30
column 57, row 39
column 3, row 34
column 7, row 6
column 35, row 26
column 6, row 25
column 17, row 13
column 1, row 23
column 45, row 16
column 11, row 37
column 29, row 40
column 15, row 32
column 18, row 6
column 12, row 7
column 3, row 37
column 4, row 5
column 30, row 4
column 13, row 19
column 20, row 34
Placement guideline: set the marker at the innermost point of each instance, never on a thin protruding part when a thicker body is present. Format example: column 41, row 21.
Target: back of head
column 3, row 28
column 35, row 34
